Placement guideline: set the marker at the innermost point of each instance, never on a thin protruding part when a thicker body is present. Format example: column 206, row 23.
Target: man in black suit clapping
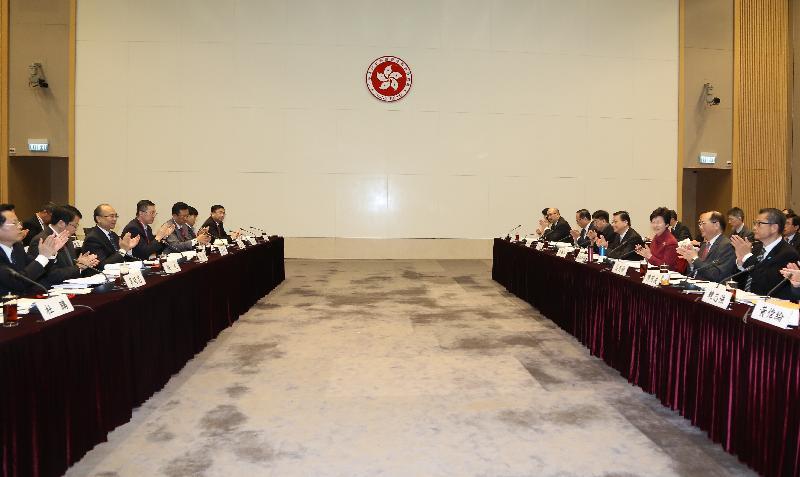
column 766, row 259
column 13, row 259
column 559, row 230
column 102, row 241
column 623, row 245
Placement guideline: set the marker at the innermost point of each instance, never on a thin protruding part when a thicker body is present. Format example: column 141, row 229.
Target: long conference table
column 66, row 383
column 739, row 381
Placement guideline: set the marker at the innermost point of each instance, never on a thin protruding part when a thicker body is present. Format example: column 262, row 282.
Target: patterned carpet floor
column 400, row 368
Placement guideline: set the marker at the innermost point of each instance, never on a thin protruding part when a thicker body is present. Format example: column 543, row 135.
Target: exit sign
column 38, row 145
column 708, row 158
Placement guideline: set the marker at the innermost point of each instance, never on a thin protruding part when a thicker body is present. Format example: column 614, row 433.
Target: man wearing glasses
column 183, row 238
column 102, row 241
column 716, row 259
column 768, row 258
column 13, row 258
column 149, row 244
column 66, row 264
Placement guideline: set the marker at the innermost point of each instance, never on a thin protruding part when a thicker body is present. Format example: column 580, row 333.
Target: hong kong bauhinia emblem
column 389, row 78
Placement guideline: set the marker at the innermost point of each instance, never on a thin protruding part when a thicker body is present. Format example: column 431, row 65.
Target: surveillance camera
column 43, row 84
column 715, row 101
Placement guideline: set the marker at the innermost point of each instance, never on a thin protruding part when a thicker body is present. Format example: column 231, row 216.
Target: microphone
column 780, row 284
column 105, row 287
column 508, row 235
column 618, row 246
column 750, row 268
column 710, row 264
column 171, row 247
column 22, row 277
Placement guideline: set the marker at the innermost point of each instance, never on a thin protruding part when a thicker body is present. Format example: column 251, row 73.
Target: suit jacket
column 24, row 265
column 795, row 241
column 217, row 229
column 681, row 232
column 106, row 249
column 625, row 248
column 147, row 245
column 558, row 232
column 178, row 241
column 745, row 233
column 583, row 239
column 767, row 273
column 34, row 228
column 60, row 269
column 719, row 264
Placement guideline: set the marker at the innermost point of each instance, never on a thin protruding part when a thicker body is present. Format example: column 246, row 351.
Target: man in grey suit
column 716, row 258
column 183, row 238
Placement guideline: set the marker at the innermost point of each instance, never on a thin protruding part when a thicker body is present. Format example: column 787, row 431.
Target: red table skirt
column 65, row 384
column 738, row 381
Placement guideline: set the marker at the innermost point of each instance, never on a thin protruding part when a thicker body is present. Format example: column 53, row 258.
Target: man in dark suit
column 13, row 259
column 183, row 237
column 67, row 264
column 679, row 231
column 768, row 258
column 601, row 227
column 623, row 245
column 37, row 223
column 738, row 228
column 580, row 237
column 215, row 227
column 791, row 229
column 716, row 258
column 559, row 230
column 150, row 244
column 103, row 242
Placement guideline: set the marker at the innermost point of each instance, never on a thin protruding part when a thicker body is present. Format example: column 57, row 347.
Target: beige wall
column 708, row 57
column 39, row 32
column 261, row 106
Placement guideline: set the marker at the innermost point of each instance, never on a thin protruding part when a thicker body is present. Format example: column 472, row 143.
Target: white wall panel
column 261, row 105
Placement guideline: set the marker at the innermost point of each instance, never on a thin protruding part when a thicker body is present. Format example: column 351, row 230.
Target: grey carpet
column 400, row 368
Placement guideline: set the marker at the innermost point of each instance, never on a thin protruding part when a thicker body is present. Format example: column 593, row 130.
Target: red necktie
column 704, row 250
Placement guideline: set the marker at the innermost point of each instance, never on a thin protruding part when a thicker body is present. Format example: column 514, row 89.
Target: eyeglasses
column 756, row 223
column 112, row 216
column 12, row 225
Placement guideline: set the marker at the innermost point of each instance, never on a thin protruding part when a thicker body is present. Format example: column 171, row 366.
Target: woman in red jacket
column 663, row 248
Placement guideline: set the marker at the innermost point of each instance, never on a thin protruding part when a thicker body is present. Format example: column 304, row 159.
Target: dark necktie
column 114, row 239
column 749, row 284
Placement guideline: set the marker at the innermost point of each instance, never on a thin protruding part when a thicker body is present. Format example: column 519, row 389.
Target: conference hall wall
column 262, row 106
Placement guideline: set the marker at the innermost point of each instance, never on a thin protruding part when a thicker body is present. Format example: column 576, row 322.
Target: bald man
column 559, row 230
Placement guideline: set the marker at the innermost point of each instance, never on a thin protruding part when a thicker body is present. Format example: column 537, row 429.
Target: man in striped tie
column 765, row 260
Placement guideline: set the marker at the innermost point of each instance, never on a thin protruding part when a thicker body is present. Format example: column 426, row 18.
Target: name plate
column 539, row 245
column 240, row 243
column 202, row 257
column 782, row 314
column 582, row 257
column 652, row 278
column 223, row 250
column 54, row 307
column 171, row 267
column 562, row 252
column 620, row 268
column 717, row 296
column 134, row 279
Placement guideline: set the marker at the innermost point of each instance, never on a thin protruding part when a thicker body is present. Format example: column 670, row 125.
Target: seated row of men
column 764, row 255
column 51, row 257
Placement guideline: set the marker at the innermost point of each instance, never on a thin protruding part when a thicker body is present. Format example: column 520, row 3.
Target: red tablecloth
column 738, row 381
column 65, row 384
